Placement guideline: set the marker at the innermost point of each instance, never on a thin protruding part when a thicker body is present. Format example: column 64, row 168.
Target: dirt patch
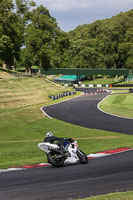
column 12, row 141
column 85, row 138
column 98, row 137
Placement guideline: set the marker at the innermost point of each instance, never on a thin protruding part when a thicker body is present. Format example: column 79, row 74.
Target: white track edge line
column 45, row 113
column 11, row 169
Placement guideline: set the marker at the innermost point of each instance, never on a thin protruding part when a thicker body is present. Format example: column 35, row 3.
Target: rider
column 60, row 141
column 130, row 90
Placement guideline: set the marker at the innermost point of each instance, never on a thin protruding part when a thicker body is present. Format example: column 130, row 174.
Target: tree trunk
column 39, row 72
column 116, row 78
column 26, row 70
column 94, row 77
column 4, row 65
column 29, row 71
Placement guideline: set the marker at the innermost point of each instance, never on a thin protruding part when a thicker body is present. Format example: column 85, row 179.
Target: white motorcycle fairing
column 46, row 147
column 72, row 150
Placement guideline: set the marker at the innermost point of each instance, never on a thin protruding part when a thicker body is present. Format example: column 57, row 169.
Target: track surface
column 100, row 176
column 83, row 111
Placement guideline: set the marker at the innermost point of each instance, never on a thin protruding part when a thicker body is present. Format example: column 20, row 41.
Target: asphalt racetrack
column 83, row 111
column 100, row 176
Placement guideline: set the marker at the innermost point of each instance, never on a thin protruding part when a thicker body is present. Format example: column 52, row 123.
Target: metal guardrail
column 64, row 94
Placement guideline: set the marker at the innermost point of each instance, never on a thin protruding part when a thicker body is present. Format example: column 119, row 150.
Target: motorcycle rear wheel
column 54, row 161
column 83, row 159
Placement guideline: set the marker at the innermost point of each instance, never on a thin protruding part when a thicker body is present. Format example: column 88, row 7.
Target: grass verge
column 119, row 104
column 23, row 128
column 113, row 196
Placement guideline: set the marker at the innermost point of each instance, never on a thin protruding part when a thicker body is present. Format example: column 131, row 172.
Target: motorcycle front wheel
column 55, row 159
column 83, row 159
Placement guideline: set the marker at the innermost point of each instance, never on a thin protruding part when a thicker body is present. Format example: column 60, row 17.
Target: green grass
column 24, row 128
column 125, row 82
column 125, row 90
column 27, row 91
column 119, row 104
column 113, row 196
column 23, row 125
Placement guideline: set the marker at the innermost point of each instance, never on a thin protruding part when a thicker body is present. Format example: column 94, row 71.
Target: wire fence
column 14, row 75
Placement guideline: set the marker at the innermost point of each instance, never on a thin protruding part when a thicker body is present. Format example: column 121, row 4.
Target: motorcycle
column 67, row 153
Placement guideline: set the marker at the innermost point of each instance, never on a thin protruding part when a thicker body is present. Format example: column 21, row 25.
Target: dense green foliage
column 103, row 44
column 10, row 32
column 12, row 25
column 29, row 36
column 43, row 39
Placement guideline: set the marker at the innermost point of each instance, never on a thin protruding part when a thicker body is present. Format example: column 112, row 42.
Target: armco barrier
column 54, row 97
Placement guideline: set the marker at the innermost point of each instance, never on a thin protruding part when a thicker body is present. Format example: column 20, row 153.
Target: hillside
column 26, row 91
column 105, row 43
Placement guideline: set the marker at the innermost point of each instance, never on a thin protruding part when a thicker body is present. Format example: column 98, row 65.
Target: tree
column 13, row 16
column 105, row 43
column 44, row 38
column 26, row 59
column 129, row 43
column 6, row 21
